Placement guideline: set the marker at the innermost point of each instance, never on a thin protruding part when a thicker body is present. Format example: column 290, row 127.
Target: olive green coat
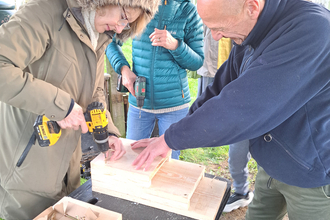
column 46, row 62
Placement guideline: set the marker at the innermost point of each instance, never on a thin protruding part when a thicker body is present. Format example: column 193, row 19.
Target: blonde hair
column 137, row 26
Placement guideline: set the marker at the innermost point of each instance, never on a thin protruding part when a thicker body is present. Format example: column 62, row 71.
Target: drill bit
column 105, row 155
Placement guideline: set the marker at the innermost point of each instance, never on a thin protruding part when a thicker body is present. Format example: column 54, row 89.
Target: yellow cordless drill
column 97, row 123
column 48, row 132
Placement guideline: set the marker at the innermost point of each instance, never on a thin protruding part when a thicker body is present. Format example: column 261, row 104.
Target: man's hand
column 154, row 147
column 74, row 120
column 163, row 38
column 117, row 146
column 128, row 79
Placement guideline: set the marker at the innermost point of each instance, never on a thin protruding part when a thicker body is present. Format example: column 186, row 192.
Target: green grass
column 193, row 89
column 82, row 181
column 127, row 50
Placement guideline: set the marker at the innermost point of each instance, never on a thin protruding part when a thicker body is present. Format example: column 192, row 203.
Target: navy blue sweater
column 273, row 90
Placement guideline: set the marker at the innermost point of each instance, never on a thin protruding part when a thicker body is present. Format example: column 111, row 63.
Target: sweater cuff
column 70, row 108
column 111, row 134
column 179, row 50
column 121, row 66
column 168, row 142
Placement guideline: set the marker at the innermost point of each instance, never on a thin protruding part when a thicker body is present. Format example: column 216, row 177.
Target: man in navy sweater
column 273, row 90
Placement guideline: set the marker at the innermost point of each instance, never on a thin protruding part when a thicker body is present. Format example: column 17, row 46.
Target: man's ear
column 253, row 8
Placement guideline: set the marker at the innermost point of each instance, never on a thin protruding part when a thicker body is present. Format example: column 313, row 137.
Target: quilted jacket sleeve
column 115, row 56
column 189, row 54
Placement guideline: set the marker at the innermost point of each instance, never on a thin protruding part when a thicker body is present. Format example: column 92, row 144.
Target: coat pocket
column 58, row 68
column 288, row 151
column 44, row 168
column 326, row 191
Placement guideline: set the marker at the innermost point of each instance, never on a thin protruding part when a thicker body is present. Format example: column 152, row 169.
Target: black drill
column 139, row 88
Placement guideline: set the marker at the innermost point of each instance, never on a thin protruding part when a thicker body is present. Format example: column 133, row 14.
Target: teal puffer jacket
column 165, row 70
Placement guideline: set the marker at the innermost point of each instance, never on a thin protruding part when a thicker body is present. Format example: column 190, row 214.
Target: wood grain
column 204, row 203
column 174, row 184
column 122, row 169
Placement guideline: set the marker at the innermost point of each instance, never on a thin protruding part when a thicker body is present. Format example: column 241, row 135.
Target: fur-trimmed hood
column 149, row 6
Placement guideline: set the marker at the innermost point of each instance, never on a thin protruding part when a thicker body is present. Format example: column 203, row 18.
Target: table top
column 136, row 211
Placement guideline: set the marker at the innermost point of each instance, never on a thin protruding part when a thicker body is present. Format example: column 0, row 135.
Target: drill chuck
column 101, row 137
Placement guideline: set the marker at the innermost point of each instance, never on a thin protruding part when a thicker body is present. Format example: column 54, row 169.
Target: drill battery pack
column 47, row 132
column 120, row 87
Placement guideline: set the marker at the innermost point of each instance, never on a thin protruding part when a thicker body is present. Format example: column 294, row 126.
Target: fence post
column 116, row 101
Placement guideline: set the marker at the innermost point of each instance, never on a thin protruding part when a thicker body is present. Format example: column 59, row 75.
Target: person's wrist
column 176, row 44
column 111, row 134
column 124, row 68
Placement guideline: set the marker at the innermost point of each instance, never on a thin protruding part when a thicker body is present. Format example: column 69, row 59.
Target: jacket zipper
column 180, row 83
column 153, row 60
column 288, row 152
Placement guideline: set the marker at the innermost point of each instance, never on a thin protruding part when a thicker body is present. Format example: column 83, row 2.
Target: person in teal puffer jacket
column 171, row 43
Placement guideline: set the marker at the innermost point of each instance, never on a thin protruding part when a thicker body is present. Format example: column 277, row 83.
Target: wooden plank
column 106, row 214
column 173, row 185
column 177, row 180
column 122, row 169
column 136, row 194
column 75, row 207
column 207, row 198
column 204, row 203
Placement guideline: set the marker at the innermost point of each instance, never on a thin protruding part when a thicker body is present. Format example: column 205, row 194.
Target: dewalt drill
column 48, row 132
column 97, row 123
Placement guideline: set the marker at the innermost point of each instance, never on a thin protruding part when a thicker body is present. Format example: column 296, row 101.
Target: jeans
column 239, row 156
column 203, row 82
column 273, row 199
column 141, row 127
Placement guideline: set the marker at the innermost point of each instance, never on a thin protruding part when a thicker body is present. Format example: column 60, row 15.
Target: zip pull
column 165, row 2
column 182, row 94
